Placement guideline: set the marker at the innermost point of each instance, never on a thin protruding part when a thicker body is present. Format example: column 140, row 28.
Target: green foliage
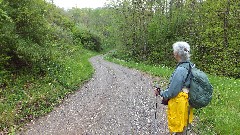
column 40, row 62
column 6, row 28
column 156, row 70
column 28, row 16
column 220, row 116
column 88, row 40
column 28, row 96
column 147, row 30
column 216, row 47
column 99, row 23
column 41, row 46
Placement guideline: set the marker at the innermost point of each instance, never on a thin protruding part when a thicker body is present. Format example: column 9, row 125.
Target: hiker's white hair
column 183, row 50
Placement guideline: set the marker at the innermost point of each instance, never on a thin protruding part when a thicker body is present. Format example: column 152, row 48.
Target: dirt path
column 117, row 100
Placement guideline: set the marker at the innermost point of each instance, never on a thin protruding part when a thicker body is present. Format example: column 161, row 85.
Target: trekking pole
column 158, row 89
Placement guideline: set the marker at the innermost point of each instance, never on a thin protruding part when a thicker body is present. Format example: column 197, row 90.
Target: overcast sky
column 66, row 4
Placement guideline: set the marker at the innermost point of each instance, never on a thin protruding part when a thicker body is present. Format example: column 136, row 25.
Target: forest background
column 43, row 47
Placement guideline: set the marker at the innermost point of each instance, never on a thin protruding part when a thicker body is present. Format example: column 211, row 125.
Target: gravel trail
column 117, row 100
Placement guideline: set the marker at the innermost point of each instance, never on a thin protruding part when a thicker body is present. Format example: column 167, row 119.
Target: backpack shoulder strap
column 189, row 68
column 189, row 71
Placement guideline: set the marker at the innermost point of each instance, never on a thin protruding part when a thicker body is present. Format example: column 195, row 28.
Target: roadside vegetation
column 44, row 52
column 44, row 57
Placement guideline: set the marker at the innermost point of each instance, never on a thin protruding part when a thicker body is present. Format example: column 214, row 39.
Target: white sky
column 67, row 4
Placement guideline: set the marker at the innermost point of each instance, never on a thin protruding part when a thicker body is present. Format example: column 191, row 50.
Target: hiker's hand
column 165, row 101
column 157, row 91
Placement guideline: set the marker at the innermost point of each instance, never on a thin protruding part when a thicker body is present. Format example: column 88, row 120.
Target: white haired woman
column 176, row 95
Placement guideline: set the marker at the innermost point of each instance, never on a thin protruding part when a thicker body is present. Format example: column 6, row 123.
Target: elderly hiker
column 176, row 95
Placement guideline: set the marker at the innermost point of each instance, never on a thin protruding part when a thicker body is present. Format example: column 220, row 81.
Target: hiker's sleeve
column 176, row 83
